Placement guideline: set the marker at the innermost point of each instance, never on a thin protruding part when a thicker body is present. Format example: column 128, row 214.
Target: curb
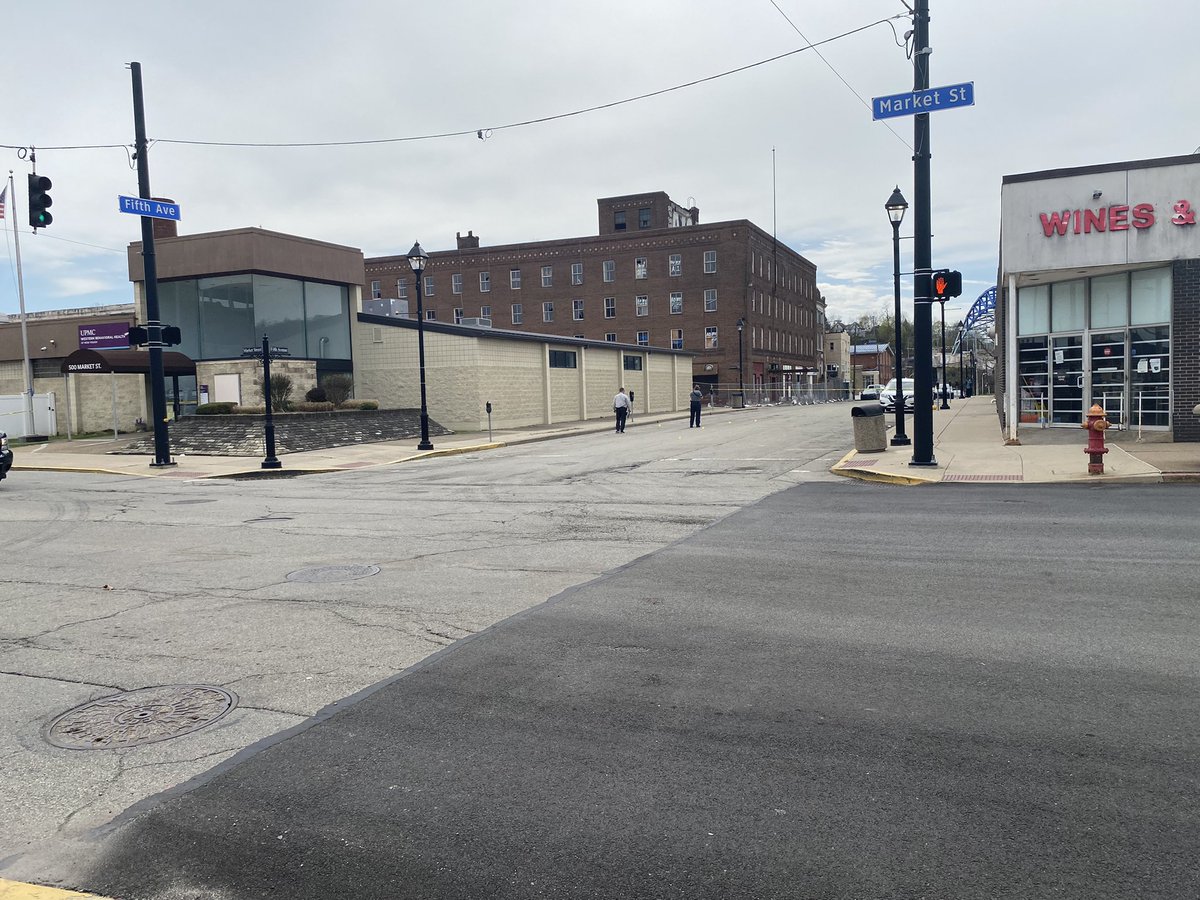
column 20, row 890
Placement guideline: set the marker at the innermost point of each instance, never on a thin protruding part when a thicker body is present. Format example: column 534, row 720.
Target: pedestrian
column 695, row 398
column 621, row 408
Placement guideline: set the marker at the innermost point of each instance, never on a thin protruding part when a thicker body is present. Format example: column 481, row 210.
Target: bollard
column 1095, row 449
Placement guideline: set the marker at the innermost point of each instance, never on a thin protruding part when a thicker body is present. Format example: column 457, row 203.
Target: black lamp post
column 942, row 387
column 417, row 258
column 741, row 326
column 896, row 207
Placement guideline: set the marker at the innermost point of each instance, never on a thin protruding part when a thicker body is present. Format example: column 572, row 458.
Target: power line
column 479, row 131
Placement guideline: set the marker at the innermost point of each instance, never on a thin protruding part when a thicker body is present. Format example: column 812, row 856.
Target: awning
column 125, row 361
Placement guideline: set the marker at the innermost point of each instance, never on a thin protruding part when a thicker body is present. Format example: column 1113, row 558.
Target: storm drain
column 139, row 717
column 330, row 574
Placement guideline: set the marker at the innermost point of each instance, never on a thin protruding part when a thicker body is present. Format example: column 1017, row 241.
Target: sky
column 789, row 144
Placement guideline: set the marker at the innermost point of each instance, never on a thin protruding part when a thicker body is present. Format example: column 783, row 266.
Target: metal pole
column 900, row 438
column 962, row 379
column 742, row 361
column 425, row 442
column 271, row 462
column 158, row 390
column 942, row 383
column 30, row 427
column 922, row 254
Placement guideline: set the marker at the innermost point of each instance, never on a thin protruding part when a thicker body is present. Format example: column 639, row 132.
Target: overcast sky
column 789, row 144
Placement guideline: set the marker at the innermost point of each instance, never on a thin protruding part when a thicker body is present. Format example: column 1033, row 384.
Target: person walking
column 621, row 408
column 695, row 398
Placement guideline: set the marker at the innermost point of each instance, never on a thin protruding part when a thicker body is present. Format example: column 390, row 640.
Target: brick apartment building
column 652, row 276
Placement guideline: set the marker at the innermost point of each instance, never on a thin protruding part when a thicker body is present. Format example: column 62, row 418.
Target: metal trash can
column 737, row 401
column 870, row 428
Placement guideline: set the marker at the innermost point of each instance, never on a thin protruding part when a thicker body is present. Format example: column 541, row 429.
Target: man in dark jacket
column 695, row 398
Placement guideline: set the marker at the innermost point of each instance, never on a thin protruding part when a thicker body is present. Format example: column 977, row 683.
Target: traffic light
column 946, row 284
column 171, row 335
column 39, row 201
column 138, row 336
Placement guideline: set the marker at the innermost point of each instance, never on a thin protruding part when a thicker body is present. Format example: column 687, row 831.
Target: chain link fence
column 773, row 394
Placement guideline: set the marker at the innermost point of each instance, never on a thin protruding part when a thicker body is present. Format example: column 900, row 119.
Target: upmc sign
column 104, row 336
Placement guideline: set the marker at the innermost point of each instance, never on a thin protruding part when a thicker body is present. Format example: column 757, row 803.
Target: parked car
column 870, row 392
column 887, row 397
column 6, row 456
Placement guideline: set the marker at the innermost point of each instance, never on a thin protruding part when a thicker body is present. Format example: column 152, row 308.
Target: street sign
column 916, row 102
column 154, row 209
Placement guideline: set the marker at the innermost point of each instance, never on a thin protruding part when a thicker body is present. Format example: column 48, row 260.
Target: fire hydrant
column 1095, row 449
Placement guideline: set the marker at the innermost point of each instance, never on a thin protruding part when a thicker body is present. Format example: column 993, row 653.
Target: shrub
column 316, row 395
column 306, row 406
column 223, row 408
column 337, row 388
column 250, row 410
column 361, row 404
column 281, row 392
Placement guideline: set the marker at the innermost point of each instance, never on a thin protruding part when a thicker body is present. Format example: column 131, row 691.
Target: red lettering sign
column 1118, row 217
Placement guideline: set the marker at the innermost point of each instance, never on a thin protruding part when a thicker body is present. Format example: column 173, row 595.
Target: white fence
column 12, row 415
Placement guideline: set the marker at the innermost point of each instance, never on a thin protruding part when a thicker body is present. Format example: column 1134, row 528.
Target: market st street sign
column 930, row 100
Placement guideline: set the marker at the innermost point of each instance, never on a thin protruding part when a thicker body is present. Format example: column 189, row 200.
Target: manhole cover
column 328, row 574
column 140, row 717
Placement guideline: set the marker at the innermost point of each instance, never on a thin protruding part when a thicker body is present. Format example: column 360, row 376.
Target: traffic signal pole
column 922, row 436
column 158, row 390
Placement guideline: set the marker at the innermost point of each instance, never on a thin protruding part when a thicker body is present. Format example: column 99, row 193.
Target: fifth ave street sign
column 916, row 102
column 155, row 209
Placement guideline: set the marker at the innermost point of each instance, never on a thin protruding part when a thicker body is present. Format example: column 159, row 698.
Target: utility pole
column 158, row 390
column 922, row 437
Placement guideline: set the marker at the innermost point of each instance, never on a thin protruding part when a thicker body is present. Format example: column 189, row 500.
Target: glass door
column 1150, row 378
column 1066, row 384
column 1108, row 375
column 1034, row 378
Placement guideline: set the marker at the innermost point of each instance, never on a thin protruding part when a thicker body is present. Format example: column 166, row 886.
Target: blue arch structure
column 982, row 315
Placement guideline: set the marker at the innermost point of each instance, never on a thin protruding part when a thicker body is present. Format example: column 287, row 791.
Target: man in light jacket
column 621, row 408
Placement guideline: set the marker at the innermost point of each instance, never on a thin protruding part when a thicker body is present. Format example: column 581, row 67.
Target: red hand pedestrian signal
column 946, row 284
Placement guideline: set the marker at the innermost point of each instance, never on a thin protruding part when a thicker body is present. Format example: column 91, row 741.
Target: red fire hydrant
column 1095, row 449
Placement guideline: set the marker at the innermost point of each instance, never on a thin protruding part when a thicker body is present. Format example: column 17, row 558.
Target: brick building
column 653, row 276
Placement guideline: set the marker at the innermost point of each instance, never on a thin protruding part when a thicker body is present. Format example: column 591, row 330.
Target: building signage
column 154, row 209
column 1118, row 217
column 929, row 100
column 85, row 367
column 104, row 336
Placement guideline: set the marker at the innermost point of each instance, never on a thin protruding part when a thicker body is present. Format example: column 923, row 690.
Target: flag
column 3, row 194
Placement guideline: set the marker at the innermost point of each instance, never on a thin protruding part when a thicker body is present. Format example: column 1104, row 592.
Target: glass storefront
column 1104, row 340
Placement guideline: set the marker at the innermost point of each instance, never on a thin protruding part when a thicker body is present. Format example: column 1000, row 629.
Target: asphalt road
column 836, row 690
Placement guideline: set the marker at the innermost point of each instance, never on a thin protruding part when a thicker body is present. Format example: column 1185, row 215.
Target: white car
column 887, row 397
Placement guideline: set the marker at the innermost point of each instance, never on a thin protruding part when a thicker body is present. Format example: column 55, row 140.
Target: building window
column 632, row 363
column 710, row 337
column 562, row 359
column 676, row 338
column 676, row 303
column 610, row 270
column 458, row 315
column 610, row 336
column 619, row 220
column 710, row 300
column 431, row 315
column 610, row 307
column 547, row 276
column 428, row 285
column 643, row 338
column 456, row 283
column 376, row 292
column 710, row 262
column 548, row 311
column 485, row 282
column 675, row 267
column 643, row 218
column 641, row 305
column 514, row 279
column 518, row 314
column 485, row 312
column 402, row 288
column 577, row 310
column 639, row 267
column 577, row 273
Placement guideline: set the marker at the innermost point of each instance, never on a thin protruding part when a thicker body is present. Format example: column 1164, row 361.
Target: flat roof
column 1189, row 160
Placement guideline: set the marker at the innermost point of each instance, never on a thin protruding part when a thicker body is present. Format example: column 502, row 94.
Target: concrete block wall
column 601, row 380
column 1185, row 339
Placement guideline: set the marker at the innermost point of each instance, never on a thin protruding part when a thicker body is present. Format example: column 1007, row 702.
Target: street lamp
column 741, row 326
column 942, row 387
column 896, row 207
column 417, row 258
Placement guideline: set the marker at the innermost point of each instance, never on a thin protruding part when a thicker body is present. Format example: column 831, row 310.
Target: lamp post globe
column 896, row 207
column 417, row 260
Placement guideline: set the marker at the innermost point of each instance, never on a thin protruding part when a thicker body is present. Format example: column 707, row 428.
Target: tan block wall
column 12, row 377
column 249, row 371
column 88, row 401
column 603, row 379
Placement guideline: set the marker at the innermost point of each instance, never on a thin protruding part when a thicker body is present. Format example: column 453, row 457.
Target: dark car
column 870, row 392
column 6, row 456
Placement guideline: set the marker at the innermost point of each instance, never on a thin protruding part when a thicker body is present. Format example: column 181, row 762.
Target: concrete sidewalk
column 969, row 446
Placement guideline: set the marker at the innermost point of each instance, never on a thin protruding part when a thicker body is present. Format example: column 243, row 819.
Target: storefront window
column 1150, row 296
column 279, row 312
column 1066, row 306
column 226, row 315
column 1110, row 301
column 328, row 321
column 1033, row 310
column 178, row 305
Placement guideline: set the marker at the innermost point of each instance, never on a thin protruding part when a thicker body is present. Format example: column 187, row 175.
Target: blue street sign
column 916, row 102
column 155, row 209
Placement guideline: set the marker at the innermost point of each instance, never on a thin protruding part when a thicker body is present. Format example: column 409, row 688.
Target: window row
column 641, row 307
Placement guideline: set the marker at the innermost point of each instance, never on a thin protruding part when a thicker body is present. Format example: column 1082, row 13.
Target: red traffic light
column 946, row 284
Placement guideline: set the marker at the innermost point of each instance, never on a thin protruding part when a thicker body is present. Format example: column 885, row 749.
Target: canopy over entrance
column 125, row 361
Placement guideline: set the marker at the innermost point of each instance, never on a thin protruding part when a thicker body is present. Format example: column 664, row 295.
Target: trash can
column 870, row 428
column 737, row 401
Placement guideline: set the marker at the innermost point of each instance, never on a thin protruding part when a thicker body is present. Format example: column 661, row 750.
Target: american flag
column 3, row 194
